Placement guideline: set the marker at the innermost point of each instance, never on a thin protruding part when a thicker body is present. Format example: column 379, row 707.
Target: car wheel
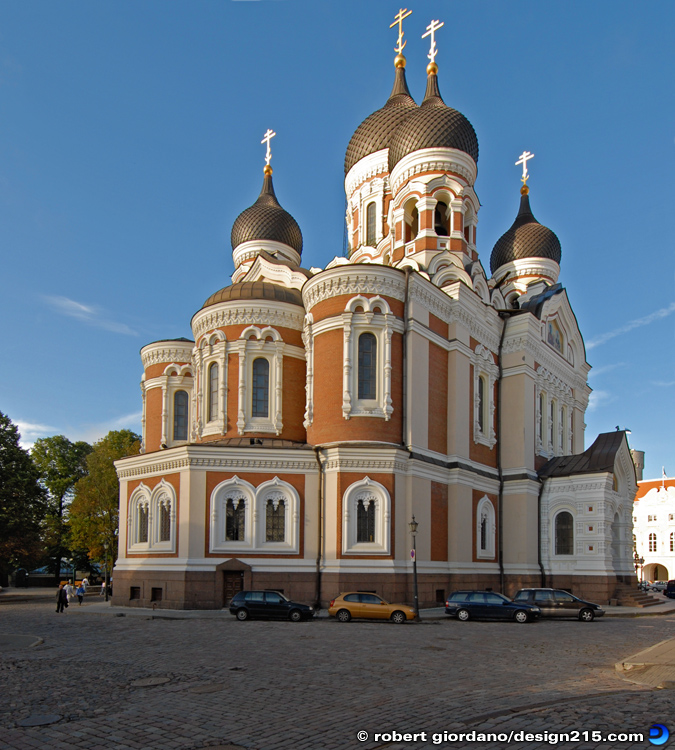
column 463, row 615
column 521, row 616
column 586, row 615
column 344, row 615
column 398, row 617
column 295, row 615
column 242, row 614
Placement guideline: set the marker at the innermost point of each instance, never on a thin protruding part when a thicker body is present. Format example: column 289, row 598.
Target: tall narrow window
column 652, row 542
column 261, row 388
column 564, row 534
column 142, row 524
column 551, row 426
column 672, row 541
column 180, row 415
column 164, row 522
column 481, row 405
column 440, row 219
column 370, row 225
column 235, row 520
column 367, row 366
column 542, row 417
column 213, row 392
column 275, row 521
column 483, row 531
column 365, row 520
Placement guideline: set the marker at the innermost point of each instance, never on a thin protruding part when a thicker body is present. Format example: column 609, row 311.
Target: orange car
column 370, row 606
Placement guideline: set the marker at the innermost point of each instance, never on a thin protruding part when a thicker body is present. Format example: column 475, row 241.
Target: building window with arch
column 235, row 519
column 366, row 519
column 368, row 329
column 367, row 366
column 441, row 219
column 180, row 415
column 260, row 393
column 371, row 224
column 652, row 542
column 552, row 432
column 213, row 392
column 481, row 404
column 485, row 373
column 485, row 529
column 672, row 541
column 564, row 533
column 275, row 519
column 542, row 417
column 152, row 519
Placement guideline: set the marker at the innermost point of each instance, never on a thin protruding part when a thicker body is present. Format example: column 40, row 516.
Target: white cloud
column 637, row 323
column 90, row 315
column 605, row 368
column 30, row 432
column 93, row 432
column 663, row 383
column 599, row 398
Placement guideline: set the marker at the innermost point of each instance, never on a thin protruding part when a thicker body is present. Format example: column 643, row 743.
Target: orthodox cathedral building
column 316, row 413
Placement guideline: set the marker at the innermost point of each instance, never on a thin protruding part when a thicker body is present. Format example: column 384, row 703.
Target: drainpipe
column 404, row 420
column 539, row 560
column 319, row 546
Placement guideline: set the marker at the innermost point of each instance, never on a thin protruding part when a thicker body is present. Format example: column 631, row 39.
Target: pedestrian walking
column 80, row 591
column 102, row 591
column 70, row 591
column 85, row 583
column 61, row 599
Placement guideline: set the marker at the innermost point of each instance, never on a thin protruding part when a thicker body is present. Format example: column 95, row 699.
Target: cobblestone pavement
column 269, row 685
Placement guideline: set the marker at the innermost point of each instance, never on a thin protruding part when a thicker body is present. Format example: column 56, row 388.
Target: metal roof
column 597, row 459
column 259, row 290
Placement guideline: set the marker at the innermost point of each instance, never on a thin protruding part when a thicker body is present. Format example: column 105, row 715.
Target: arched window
column 213, row 392
column 441, row 220
column 275, row 519
column 564, row 534
column 481, row 405
column 165, row 520
column 142, row 524
column 367, row 366
column 365, row 520
column 235, row 520
column 485, row 528
column 370, row 225
column 542, row 416
column 180, row 415
column 652, row 542
column 551, row 425
column 412, row 220
column 261, row 388
column 672, row 541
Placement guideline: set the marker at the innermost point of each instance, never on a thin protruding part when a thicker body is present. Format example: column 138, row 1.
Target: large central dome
column 433, row 125
column 374, row 132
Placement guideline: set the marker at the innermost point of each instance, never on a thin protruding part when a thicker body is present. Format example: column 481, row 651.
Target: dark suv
column 269, row 605
column 557, row 603
column 465, row 605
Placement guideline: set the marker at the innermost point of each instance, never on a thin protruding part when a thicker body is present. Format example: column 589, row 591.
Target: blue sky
column 130, row 141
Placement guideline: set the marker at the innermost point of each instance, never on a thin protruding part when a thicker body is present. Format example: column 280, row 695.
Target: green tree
column 94, row 512
column 22, row 503
column 61, row 465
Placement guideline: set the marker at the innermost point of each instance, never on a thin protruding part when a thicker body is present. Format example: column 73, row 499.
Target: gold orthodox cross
column 403, row 13
column 266, row 139
column 432, row 28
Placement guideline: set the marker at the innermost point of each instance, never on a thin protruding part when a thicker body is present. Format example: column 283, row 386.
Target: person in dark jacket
column 61, row 599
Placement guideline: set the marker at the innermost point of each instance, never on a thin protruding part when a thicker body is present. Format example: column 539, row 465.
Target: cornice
column 240, row 312
column 433, row 160
column 354, row 279
column 168, row 352
column 372, row 165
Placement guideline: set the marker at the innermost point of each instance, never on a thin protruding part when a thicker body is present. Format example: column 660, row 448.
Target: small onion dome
column 267, row 220
column 433, row 125
column 374, row 132
column 527, row 238
column 258, row 290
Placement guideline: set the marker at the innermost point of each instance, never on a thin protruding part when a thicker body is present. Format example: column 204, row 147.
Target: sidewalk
column 654, row 667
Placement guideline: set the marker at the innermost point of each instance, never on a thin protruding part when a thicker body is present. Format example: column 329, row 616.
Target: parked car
column 658, row 585
column 465, row 605
column 558, row 603
column 670, row 590
column 363, row 604
column 269, row 605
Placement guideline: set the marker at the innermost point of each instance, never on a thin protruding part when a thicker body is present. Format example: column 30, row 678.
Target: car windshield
column 522, row 596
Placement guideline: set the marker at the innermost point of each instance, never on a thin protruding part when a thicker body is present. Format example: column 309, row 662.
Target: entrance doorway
column 233, row 583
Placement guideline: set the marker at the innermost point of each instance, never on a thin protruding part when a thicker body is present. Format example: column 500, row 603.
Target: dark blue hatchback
column 466, row 605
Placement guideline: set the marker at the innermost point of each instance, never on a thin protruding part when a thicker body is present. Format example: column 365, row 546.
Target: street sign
column 412, row 554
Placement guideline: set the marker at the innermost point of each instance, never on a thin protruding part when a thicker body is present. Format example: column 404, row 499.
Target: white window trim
column 485, row 507
column 553, row 389
column 212, row 351
column 381, row 325
column 308, row 341
column 255, row 500
column 483, row 365
column 143, row 495
column 253, row 344
column 359, row 490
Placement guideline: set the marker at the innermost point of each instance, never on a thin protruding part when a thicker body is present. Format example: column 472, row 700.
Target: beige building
column 289, row 444
column 654, row 528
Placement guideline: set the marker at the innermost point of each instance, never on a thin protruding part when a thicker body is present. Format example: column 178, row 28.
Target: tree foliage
column 22, row 503
column 94, row 511
column 61, row 464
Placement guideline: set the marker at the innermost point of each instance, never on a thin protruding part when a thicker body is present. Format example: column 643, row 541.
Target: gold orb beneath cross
column 432, row 69
column 267, row 170
column 399, row 61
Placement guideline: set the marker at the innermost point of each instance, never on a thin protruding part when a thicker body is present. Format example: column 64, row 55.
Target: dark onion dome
column 527, row 238
column 267, row 220
column 258, row 290
column 433, row 125
column 374, row 132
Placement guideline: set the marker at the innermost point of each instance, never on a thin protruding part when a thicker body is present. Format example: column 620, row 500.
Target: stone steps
column 629, row 597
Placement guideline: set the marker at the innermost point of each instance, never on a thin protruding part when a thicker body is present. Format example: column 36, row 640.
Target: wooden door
column 234, row 582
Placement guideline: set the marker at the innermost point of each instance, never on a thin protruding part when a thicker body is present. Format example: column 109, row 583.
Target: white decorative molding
column 357, row 279
column 366, row 491
column 247, row 312
column 308, row 341
column 484, row 366
column 433, row 160
column 171, row 352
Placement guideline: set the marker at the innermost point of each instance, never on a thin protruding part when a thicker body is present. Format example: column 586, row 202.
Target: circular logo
column 658, row 734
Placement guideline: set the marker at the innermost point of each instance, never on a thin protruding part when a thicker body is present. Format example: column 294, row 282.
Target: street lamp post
column 105, row 547
column 413, row 531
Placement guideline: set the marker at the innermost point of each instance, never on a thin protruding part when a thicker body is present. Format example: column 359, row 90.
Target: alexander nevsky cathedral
column 316, row 413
